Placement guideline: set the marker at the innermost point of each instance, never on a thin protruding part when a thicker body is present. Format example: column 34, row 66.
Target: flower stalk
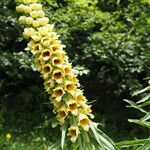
column 51, row 60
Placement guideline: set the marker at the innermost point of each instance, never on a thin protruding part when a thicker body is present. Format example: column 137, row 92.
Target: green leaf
column 144, row 104
column 145, row 1
column 63, row 135
column 141, row 91
column 134, row 105
column 80, row 143
column 131, row 143
column 106, row 140
column 146, row 117
column 55, row 146
column 96, row 135
column 142, row 123
column 146, row 145
column 67, row 96
column 144, row 99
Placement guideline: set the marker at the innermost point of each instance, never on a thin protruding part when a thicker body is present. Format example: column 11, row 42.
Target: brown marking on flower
column 70, row 87
column 36, row 47
column 73, row 106
column 62, row 114
column 68, row 70
column 57, row 75
column 57, row 61
column 46, row 54
column 80, row 97
column 47, row 69
column 73, row 132
column 84, row 122
column 58, row 92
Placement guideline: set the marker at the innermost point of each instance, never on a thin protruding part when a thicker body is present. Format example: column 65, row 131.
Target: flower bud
column 43, row 21
column 50, row 27
column 20, row 8
column 34, row 14
column 36, row 37
column 29, row 20
column 28, row 32
column 27, row 9
column 43, row 31
column 36, row 23
column 27, row 1
column 45, row 42
column 22, row 19
column 33, row 1
column 36, row 6
column 40, row 13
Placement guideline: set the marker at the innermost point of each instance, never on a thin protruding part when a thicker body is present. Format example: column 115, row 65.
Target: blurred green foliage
column 107, row 42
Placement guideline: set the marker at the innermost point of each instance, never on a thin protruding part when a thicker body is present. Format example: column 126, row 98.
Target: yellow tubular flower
column 36, row 48
column 45, row 42
column 56, row 104
column 73, row 133
column 57, row 62
column 46, row 53
column 49, row 84
column 69, row 86
column 62, row 114
column 84, row 122
column 67, row 69
column 46, row 70
column 73, row 107
column 72, row 77
column 39, row 63
column 58, row 92
column 86, row 109
column 58, row 75
column 56, row 47
column 79, row 97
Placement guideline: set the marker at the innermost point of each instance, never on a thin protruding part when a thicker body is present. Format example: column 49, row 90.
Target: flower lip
column 57, row 75
column 73, row 106
column 46, row 53
column 70, row 86
column 47, row 69
column 62, row 114
column 57, row 61
column 73, row 133
column 59, row 92
column 55, row 47
column 84, row 121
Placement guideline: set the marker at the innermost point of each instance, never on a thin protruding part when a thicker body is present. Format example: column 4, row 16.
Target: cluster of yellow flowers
column 70, row 105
